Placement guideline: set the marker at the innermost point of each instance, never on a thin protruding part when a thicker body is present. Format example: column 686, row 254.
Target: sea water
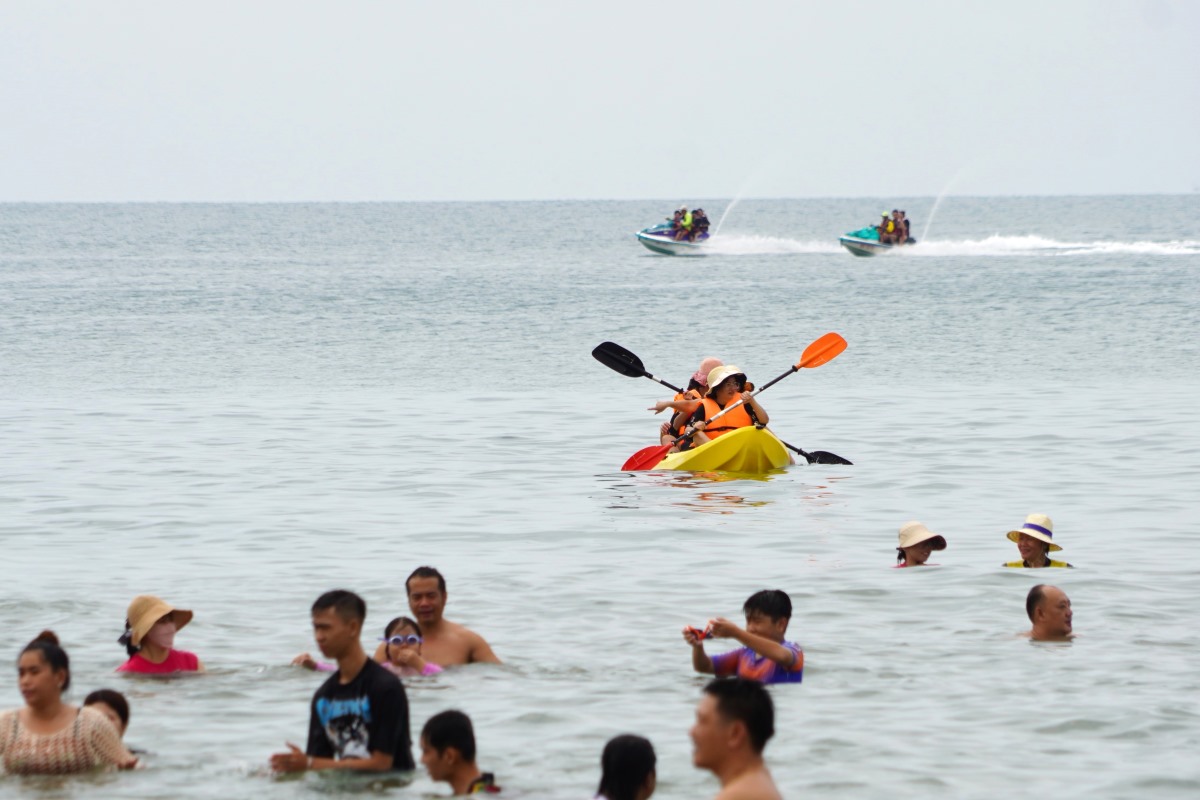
column 238, row 407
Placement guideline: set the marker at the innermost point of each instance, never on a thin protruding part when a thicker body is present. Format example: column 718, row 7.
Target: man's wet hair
column 773, row 603
column 426, row 572
column 345, row 604
column 1034, row 599
column 748, row 702
column 450, row 729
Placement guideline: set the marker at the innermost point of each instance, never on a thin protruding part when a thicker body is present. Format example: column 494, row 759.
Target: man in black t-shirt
column 359, row 717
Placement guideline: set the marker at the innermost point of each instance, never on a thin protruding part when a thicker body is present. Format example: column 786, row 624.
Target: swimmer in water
column 627, row 768
column 1049, row 610
column 916, row 543
column 734, row 720
column 1035, row 541
column 402, row 652
column 403, row 642
column 448, row 753
column 113, row 705
column 764, row 655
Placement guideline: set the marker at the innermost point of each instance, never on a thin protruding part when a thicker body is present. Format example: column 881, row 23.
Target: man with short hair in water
column 699, row 225
column 445, row 643
column 1049, row 610
column 359, row 717
column 448, row 753
column 734, row 720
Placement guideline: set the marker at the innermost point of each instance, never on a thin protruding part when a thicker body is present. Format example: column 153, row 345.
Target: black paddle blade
column 615, row 357
column 823, row 457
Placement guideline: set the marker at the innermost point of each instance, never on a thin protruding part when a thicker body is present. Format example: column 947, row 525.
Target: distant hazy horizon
column 476, row 101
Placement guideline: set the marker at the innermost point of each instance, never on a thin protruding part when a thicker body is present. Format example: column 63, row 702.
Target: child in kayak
column 686, row 403
column 764, row 656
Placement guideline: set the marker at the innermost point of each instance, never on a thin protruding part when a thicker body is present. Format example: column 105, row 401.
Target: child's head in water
column 113, row 705
column 402, row 634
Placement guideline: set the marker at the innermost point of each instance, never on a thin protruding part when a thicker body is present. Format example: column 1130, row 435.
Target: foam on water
column 735, row 244
column 1032, row 245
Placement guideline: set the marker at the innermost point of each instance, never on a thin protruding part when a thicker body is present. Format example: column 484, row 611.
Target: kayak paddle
column 615, row 357
column 821, row 351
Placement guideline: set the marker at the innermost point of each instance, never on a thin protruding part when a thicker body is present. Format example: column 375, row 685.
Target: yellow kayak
column 744, row 450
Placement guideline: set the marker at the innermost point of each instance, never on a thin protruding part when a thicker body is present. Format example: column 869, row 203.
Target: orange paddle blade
column 646, row 458
column 822, row 351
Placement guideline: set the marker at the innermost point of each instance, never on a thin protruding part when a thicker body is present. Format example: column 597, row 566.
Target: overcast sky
column 445, row 100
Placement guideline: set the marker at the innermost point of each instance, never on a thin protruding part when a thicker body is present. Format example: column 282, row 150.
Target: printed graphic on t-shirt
column 345, row 721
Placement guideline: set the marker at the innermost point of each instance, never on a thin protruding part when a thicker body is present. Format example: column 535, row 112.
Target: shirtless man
column 445, row 643
column 1049, row 610
column 734, row 720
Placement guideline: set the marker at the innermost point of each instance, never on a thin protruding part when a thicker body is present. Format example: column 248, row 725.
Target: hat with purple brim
column 1039, row 527
column 913, row 533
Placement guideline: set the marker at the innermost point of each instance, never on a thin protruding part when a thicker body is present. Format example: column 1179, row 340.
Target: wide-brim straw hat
column 1039, row 527
column 913, row 533
column 722, row 373
column 146, row 609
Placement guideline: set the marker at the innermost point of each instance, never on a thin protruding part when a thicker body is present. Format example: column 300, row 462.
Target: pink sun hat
column 700, row 376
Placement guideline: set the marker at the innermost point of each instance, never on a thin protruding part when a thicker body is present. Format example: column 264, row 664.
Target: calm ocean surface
column 239, row 407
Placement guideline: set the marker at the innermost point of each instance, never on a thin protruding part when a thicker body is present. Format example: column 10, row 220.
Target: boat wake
column 1039, row 245
column 735, row 244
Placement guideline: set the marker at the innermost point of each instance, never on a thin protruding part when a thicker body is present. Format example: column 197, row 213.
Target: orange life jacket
column 737, row 418
column 683, row 416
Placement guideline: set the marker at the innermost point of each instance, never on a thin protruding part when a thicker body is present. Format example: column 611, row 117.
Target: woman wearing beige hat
column 916, row 543
column 1035, row 541
column 726, row 386
column 149, row 638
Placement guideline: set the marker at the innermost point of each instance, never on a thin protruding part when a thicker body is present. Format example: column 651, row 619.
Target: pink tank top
column 176, row 661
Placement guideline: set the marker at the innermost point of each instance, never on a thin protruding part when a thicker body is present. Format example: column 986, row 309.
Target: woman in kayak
column 727, row 385
column 916, row 543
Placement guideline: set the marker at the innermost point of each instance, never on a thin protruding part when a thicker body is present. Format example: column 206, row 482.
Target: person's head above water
column 152, row 620
column 768, row 613
column 426, row 590
column 916, row 543
column 43, row 671
column 734, row 720
column 401, row 633
column 337, row 618
column 111, row 704
column 1049, row 610
column 448, row 751
column 1035, row 539
column 627, row 769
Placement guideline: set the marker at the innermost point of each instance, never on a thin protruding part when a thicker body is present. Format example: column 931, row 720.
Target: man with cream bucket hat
column 1035, row 540
column 916, row 543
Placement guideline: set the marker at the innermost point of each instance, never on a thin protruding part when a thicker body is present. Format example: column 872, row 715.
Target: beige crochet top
column 89, row 742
